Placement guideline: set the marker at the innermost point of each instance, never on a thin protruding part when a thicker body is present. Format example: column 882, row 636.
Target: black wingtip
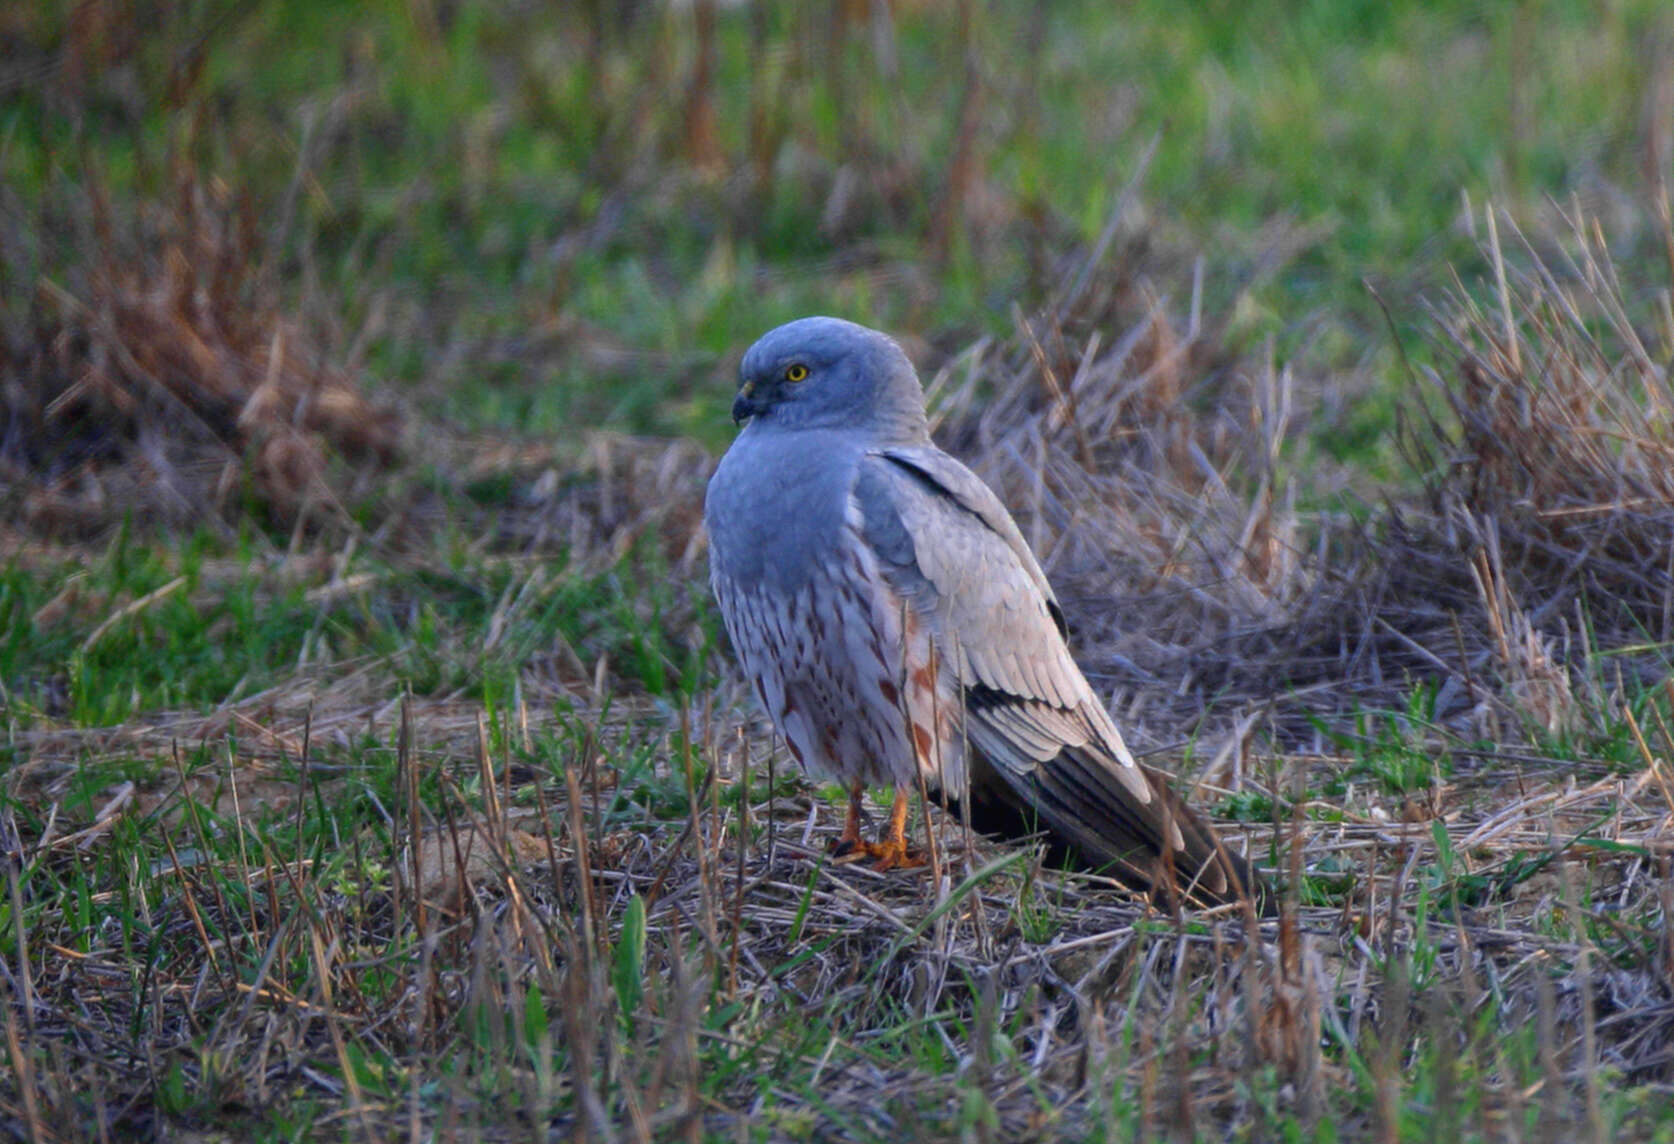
column 1092, row 824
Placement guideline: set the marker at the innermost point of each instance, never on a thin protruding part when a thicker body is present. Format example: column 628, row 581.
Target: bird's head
column 825, row 373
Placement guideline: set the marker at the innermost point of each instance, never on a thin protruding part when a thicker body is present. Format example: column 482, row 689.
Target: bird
column 897, row 629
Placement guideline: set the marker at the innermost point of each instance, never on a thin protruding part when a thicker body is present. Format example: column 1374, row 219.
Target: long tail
column 1093, row 821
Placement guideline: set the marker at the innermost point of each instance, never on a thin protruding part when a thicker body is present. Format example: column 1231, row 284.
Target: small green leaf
column 534, row 1014
column 627, row 974
column 1444, row 846
column 171, row 1089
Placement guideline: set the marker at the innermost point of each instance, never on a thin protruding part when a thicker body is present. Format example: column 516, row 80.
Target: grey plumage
column 893, row 619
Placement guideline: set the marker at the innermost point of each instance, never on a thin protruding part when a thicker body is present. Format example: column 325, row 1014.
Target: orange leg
column 849, row 841
column 890, row 852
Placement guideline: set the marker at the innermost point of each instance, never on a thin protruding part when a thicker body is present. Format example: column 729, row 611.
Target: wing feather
column 952, row 551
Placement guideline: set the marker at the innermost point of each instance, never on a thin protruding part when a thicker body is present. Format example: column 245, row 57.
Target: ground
column 375, row 764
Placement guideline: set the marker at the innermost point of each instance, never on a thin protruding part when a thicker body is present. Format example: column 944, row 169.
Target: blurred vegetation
column 308, row 315
column 551, row 216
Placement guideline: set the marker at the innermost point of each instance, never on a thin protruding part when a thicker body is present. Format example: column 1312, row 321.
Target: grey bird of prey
column 897, row 628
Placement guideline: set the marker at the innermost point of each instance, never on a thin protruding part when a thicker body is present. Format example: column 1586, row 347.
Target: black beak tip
column 742, row 410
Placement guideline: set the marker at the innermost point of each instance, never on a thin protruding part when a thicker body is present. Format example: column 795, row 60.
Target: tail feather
column 1163, row 847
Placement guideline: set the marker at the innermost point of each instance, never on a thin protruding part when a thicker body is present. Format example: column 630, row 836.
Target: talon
column 885, row 855
column 845, row 847
column 896, row 855
column 890, row 852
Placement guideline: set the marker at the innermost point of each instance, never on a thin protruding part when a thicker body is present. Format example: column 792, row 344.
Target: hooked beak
column 744, row 406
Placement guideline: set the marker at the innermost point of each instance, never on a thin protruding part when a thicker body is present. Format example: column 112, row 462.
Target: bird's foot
column 890, row 854
column 849, row 841
column 848, row 846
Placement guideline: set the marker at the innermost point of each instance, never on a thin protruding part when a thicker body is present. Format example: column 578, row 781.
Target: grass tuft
column 372, row 766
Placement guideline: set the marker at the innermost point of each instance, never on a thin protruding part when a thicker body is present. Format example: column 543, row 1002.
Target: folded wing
column 1046, row 751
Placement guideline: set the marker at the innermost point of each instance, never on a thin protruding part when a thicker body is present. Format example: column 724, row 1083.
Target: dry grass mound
column 164, row 383
column 1152, row 476
column 1554, row 481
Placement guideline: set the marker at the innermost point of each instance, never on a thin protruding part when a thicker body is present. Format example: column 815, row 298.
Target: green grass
column 499, row 215
column 830, row 1024
column 152, row 646
column 145, row 628
column 492, row 183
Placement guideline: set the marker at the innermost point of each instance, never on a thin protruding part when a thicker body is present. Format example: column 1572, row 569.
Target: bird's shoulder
column 924, row 507
column 956, row 556
column 947, row 477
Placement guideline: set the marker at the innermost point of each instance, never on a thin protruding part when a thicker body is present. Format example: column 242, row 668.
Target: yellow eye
column 796, row 372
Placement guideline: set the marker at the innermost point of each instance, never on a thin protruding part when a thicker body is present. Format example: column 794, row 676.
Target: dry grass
column 166, row 385
column 587, row 911
column 1154, row 481
column 604, row 918
column 152, row 373
column 696, row 970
